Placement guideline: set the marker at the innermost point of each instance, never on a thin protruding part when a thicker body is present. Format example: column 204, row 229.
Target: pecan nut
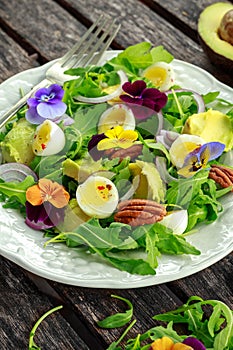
column 132, row 152
column 136, row 212
column 221, row 175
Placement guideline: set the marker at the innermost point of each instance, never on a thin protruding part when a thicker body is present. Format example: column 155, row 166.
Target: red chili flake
column 43, row 146
column 100, row 188
column 109, row 187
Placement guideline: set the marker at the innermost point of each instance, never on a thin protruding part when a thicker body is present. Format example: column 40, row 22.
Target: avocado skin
column 212, row 50
column 218, row 60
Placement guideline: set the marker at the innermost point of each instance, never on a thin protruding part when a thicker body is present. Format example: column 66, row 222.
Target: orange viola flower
column 47, row 191
column 166, row 343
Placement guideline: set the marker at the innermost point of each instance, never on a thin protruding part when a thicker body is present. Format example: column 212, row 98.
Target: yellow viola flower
column 166, row 343
column 117, row 137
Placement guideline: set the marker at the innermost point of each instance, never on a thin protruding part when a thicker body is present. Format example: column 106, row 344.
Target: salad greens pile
column 208, row 324
column 151, row 175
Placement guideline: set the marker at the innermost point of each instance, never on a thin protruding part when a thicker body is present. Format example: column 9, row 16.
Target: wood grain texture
column 183, row 14
column 42, row 25
column 25, row 305
column 13, row 59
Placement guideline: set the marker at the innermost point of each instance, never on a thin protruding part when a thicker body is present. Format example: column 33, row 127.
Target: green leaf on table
column 118, row 319
column 17, row 189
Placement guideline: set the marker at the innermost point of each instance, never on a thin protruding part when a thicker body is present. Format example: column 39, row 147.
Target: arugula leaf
column 96, row 236
column 118, row 319
column 169, row 243
column 160, row 331
column 152, row 247
column 137, row 57
column 86, row 120
column 198, row 195
column 17, row 189
column 49, row 167
column 131, row 265
column 160, row 54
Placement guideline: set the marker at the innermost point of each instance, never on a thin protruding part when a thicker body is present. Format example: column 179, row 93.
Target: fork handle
column 14, row 109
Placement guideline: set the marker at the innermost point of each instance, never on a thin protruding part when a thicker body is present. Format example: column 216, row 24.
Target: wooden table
column 32, row 33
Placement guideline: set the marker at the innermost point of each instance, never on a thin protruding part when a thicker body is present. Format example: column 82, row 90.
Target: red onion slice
column 16, row 172
column 167, row 137
column 101, row 99
column 161, row 165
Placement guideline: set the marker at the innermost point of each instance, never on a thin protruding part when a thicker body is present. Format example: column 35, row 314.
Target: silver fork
column 87, row 51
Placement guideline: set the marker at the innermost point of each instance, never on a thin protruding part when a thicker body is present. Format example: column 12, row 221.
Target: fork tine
column 98, row 55
column 91, row 57
column 76, row 59
column 72, row 51
column 97, row 46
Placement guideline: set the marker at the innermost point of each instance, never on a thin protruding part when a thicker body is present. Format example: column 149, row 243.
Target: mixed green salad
column 120, row 161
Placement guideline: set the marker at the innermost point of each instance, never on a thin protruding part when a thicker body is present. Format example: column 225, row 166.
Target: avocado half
column 210, row 28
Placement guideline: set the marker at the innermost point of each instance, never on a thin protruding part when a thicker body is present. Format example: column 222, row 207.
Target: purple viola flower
column 194, row 343
column 46, row 104
column 92, row 146
column 143, row 101
column 200, row 156
column 43, row 216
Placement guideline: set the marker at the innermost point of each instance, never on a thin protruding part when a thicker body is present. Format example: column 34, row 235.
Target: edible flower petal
column 45, row 204
column 117, row 137
column 47, row 191
column 46, row 104
column 138, row 94
column 92, row 146
column 194, row 343
column 44, row 216
column 166, row 343
column 199, row 157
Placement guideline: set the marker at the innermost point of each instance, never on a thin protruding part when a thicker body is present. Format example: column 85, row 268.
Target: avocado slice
column 215, row 33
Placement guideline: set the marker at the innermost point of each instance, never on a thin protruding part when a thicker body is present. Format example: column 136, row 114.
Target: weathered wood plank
column 42, row 25
column 187, row 12
column 13, row 59
column 21, row 305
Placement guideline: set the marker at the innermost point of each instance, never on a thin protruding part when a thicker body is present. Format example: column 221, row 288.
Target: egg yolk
column 157, row 75
column 41, row 138
column 104, row 191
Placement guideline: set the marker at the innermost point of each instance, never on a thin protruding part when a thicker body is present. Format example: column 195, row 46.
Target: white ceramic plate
column 57, row 262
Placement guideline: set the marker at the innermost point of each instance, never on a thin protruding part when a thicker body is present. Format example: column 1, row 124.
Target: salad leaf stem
column 32, row 345
column 178, row 104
